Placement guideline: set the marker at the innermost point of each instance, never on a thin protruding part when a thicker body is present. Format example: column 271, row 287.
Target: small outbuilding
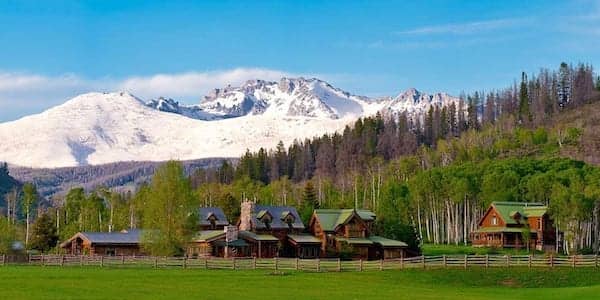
column 126, row 242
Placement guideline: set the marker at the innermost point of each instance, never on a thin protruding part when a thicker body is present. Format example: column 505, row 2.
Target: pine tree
column 44, row 235
column 309, row 201
column 564, row 85
column 524, row 112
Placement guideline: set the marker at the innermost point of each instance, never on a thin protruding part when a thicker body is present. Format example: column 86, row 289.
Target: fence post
column 185, row 262
column 487, row 260
column 401, row 262
column 508, row 261
column 43, row 262
column 551, row 261
column 101, row 260
column 276, row 264
column 318, row 265
column 573, row 261
column 381, row 265
column 360, row 265
column 3, row 259
column 423, row 261
column 297, row 263
column 62, row 260
column 529, row 261
column 444, row 260
column 339, row 265
column 254, row 263
column 156, row 262
column 466, row 260
column 122, row 259
column 206, row 263
column 596, row 260
column 233, row 262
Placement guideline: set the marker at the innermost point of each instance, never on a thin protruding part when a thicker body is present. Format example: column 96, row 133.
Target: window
column 494, row 220
column 111, row 252
column 289, row 220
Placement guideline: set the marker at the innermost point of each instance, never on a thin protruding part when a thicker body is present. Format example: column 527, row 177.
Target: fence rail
column 310, row 265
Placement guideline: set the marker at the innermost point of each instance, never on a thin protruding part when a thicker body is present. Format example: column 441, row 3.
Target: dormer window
column 494, row 220
column 289, row 219
column 266, row 218
column 212, row 219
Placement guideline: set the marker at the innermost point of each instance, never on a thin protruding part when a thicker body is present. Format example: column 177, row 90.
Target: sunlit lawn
column 476, row 283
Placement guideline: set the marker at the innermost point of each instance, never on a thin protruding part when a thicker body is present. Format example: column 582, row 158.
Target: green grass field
column 20, row 282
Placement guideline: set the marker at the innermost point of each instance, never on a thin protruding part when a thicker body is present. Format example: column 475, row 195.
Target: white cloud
column 25, row 93
column 465, row 28
column 194, row 84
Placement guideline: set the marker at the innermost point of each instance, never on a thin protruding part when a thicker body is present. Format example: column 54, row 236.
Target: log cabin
column 126, row 242
column 349, row 232
column 516, row 225
column 260, row 223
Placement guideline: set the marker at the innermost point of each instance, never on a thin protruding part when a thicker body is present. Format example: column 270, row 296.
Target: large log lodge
column 262, row 231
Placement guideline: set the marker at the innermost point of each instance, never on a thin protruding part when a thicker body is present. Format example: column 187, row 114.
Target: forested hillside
column 437, row 174
column 119, row 176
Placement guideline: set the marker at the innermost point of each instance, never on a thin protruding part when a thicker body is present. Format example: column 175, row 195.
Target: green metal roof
column 508, row 209
column 355, row 241
column 387, row 242
column 257, row 237
column 208, row 235
column 535, row 211
column 332, row 218
column 502, row 229
column 304, row 238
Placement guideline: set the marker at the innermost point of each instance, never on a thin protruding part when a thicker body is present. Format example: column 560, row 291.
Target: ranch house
column 515, row 225
column 348, row 232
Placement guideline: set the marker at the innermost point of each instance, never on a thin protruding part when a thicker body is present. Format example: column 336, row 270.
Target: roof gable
column 204, row 214
column 510, row 212
column 330, row 219
column 278, row 214
column 125, row 237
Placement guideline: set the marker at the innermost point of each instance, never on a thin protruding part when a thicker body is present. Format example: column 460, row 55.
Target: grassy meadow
column 21, row 282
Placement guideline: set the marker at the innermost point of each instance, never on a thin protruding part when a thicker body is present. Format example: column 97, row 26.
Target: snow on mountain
column 99, row 128
column 296, row 97
column 190, row 111
column 415, row 103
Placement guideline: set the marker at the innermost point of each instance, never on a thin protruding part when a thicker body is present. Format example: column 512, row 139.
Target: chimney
column 247, row 210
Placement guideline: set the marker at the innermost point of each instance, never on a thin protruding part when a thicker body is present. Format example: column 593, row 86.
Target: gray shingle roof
column 125, row 237
column 205, row 212
column 278, row 213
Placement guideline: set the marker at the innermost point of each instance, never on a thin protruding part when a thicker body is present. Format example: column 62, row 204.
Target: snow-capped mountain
column 98, row 128
column 293, row 97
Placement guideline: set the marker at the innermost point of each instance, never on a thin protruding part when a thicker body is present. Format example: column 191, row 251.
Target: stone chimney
column 247, row 210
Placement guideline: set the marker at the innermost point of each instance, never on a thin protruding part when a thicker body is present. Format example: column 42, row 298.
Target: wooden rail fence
column 312, row 265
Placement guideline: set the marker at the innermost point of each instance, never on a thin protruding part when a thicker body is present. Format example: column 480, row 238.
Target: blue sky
column 55, row 50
